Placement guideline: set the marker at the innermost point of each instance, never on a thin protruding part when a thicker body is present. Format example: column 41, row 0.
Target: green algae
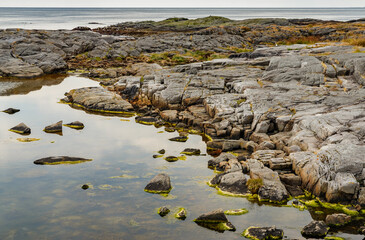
column 240, row 211
column 161, row 192
column 181, row 214
column 126, row 176
column 28, row 139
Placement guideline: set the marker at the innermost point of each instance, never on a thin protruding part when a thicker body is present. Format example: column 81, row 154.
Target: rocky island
column 280, row 102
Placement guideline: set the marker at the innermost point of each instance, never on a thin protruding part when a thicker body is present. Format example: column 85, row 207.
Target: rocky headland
column 278, row 101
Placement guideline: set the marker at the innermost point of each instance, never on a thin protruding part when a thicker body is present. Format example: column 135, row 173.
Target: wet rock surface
column 315, row 229
column 75, row 125
column 11, row 110
column 60, row 160
column 261, row 233
column 54, row 128
column 159, row 184
column 21, row 128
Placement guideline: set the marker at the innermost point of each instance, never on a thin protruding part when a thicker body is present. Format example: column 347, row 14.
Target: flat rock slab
column 11, row 110
column 159, row 184
column 75, row 125
column 60, row 160
column 146, row 120
column 98, row 99
column 21, row 128
column 262, row 233
column 54, row 128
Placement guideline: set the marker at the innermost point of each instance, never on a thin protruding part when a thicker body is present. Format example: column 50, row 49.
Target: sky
column 184, row 3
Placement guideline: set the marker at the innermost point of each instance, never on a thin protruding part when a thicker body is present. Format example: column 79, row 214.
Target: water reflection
column 47, row 202
column 12, row 86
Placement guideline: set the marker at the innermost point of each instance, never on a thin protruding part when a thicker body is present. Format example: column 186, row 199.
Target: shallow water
column 47, row 202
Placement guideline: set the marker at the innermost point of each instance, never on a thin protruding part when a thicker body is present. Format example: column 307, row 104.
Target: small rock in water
column 54, row 128
column 181, row 214
column 262, row 233
column 179, row 139
column 215, row 216
column 157, row 156
column 162, row 151
column 146, row 120
column 171, row 159
column 315, row 229
column 60, row 160
column 11, row 110
column 191, row 151
column 159, row 184
column 85, row 186
column 75, row 125
column 21, row 129
column 163, row 211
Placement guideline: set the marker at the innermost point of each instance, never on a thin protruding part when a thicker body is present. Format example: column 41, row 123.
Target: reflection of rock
column 21, row 128
column 263, row 233
column 11, row 110
column 60, row 160
column 24, row 86
column 98, row 99
column 163, row 211
column 75, row 125
column 159, row 184
column 54, row 128
column 315, row 229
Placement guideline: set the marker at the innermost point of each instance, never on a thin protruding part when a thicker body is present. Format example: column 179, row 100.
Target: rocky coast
column 280, row 103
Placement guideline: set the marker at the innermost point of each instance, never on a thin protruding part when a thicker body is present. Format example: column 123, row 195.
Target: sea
column 68, row 18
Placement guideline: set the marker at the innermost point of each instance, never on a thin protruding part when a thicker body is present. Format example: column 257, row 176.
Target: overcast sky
column 182, row 3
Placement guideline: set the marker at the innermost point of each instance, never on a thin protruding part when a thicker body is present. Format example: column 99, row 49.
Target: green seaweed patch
column 319, row 212
column 275, row 202
column 19, row 132
column 225, row 193
column 144, row 122
column 333, row 238
column 161, row 192
column 157, row 156
column 300, row 207
column 109, row 187
column 311, row 203
column 211, row 185
column 219, row 227
column 182, row 157
column 240, row 211
column 28, row 139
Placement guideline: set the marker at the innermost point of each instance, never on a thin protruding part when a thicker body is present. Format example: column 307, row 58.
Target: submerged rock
column 171, row 159
column 179, row 139
column 28, row 139
column 263, row 233
column 159, row 184
column 315, row 229
column 162, row 151
column 191, row 151
column 163, row 211
column 85, row 187
column 60, row 160
column 98, row 99
column 21, row 128
column 75, row 125
column 11, row 110
column 54, row 128
column 181, row 214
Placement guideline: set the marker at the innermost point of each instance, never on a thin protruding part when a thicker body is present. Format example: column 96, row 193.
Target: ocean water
column 68, row 18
